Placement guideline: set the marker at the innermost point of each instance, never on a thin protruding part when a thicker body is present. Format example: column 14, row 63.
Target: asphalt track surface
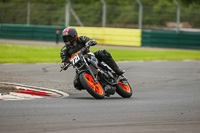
column 166, row 98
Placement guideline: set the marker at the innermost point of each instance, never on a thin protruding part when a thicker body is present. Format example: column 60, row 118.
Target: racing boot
column 112, row 64
column 77, row 83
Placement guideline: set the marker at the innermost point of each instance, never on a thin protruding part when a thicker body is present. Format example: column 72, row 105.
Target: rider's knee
column 102, row 54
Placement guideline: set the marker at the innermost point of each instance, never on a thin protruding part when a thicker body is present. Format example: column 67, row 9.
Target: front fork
column 90, row 71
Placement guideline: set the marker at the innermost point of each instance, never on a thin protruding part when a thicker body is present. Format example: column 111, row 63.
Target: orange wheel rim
column 125, row 87
column 96, row 87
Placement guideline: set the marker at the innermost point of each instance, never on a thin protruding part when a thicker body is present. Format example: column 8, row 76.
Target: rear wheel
column 88, row 83
column 124, row 90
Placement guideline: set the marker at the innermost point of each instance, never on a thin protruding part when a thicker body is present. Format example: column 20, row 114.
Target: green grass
column 38, row 54
column 149, row 55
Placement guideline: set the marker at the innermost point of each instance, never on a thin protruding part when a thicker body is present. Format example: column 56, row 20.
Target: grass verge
column 40, row 54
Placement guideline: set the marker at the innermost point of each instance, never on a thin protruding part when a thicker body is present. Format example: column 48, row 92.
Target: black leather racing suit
column 102, row 55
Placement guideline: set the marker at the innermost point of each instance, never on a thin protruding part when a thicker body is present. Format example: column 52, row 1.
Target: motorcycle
column 96, row 77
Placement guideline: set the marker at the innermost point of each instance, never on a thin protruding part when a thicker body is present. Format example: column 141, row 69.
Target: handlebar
column 65, row 68
column 84, row 48
column 68, row 64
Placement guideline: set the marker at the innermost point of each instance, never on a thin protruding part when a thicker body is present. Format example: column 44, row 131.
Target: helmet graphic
column 69, row 35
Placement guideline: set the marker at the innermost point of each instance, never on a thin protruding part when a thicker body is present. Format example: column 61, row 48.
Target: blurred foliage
column 120, row 13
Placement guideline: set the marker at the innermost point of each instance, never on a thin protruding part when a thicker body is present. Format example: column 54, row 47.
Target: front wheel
column 88, row 83
column 124, row 90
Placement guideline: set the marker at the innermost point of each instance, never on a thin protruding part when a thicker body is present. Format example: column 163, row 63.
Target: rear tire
column 96, row 90
column 124, row 91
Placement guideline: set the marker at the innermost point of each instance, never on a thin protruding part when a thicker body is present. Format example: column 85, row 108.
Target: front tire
column 96, row 90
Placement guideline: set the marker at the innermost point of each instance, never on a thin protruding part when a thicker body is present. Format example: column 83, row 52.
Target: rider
column 73, row 44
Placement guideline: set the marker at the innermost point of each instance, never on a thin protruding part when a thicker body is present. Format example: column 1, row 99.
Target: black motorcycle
column 97, row 77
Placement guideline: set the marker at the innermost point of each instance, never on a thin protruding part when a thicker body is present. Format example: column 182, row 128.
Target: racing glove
column 63, row 66
column 91, row 42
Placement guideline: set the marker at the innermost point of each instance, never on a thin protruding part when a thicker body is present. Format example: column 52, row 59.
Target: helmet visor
column 67, row 38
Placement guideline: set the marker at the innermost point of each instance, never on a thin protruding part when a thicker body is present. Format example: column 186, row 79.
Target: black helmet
column 69, row 35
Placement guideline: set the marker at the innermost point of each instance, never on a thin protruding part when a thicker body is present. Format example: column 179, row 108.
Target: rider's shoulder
column 63, row 48
column 83, row 38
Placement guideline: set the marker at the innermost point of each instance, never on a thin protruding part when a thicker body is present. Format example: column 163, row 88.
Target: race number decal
column 75, row 59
